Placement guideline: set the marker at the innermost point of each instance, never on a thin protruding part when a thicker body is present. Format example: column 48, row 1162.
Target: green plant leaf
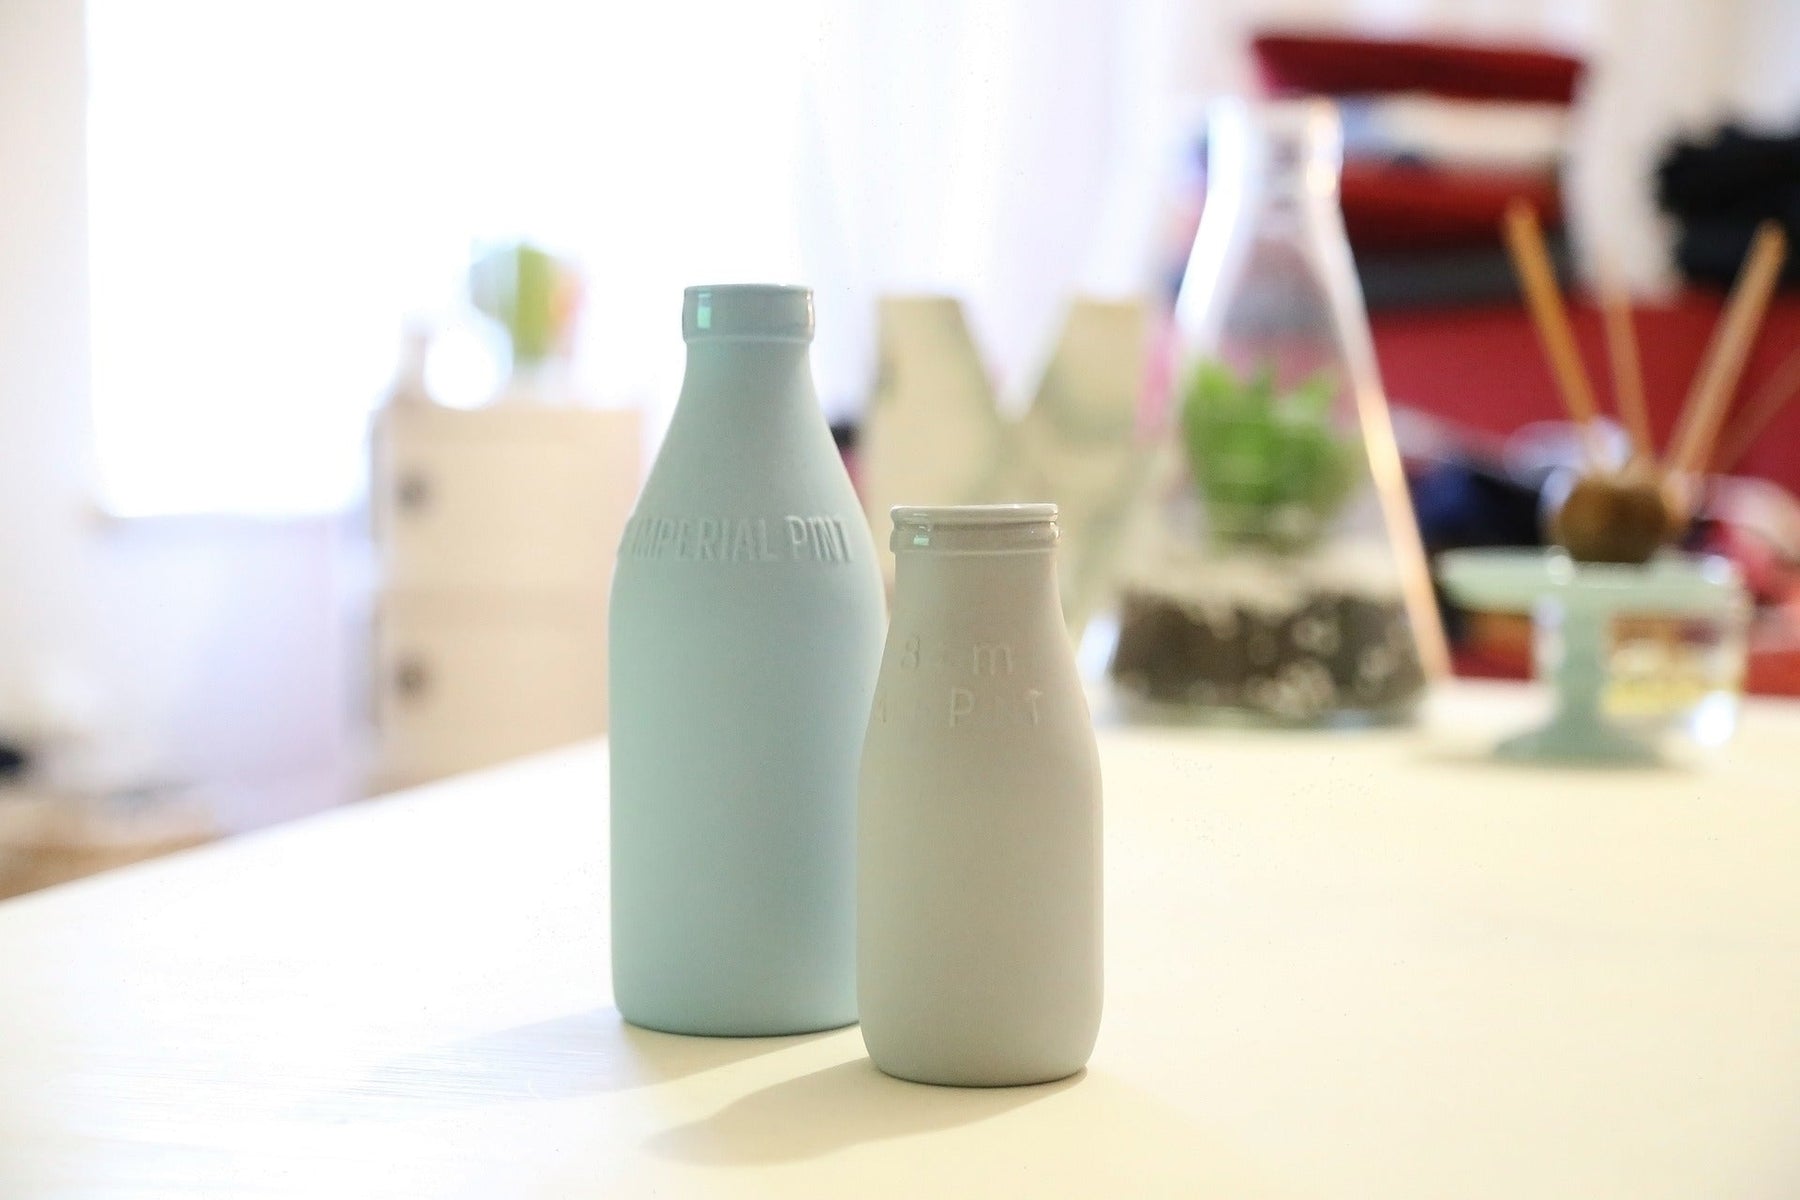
column 1262, row 458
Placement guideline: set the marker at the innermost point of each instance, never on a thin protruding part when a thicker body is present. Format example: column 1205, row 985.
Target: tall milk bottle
column 746, row 630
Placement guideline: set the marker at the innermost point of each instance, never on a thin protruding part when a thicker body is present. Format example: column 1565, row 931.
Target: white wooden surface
column 1356, row 966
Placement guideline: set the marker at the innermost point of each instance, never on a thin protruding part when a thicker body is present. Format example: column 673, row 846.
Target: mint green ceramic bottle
column 747, row 626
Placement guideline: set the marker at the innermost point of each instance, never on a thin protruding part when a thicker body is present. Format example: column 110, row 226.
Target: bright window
column 274, row 188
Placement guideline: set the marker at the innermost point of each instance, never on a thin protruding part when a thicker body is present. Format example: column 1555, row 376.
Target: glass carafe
column 1274, row 568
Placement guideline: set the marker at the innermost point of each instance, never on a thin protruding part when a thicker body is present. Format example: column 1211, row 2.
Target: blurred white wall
column 46, row 618
column 151, row 653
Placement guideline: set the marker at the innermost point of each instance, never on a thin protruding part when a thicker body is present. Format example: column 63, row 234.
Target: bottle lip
column 1300, row 136
column 971, row 514
column 747, row 312
column 974, row 528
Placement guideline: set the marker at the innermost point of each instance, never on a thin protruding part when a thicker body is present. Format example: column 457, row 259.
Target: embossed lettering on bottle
column 818, row 539
column 987, row 691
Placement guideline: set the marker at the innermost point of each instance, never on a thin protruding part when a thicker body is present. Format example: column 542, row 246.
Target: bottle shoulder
column 787, row 461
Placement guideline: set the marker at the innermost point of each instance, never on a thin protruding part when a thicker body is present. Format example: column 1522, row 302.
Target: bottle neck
column 1284, row 155
column 1019, row 582
column 734, row 371
column 1298, row 172
column 1002, row 553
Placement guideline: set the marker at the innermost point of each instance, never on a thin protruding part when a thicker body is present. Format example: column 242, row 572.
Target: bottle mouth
column 1289, row 139
column 974, row 528
column 747, row 311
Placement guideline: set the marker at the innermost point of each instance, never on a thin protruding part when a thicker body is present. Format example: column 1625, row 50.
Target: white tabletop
column 1366, row 965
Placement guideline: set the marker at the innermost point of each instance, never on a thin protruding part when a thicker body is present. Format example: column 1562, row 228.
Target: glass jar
column 1274, row 567
column 1679, row 674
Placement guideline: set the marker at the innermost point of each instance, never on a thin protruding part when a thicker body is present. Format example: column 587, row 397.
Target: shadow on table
column 1483, row 756
column 827, row 1110
column 578, row 1054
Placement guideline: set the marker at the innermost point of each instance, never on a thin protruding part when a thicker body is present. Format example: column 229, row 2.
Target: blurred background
column 278, row 279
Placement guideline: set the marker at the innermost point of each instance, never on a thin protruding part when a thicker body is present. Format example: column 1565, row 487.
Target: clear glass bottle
column 1274, row 567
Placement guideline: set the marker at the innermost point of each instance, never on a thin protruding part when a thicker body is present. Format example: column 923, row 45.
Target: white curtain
column 1011, row 152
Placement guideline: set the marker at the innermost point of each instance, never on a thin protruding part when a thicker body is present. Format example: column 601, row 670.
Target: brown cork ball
column 1610, row 519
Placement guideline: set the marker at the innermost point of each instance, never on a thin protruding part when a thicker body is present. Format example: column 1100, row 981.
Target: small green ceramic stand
column 1579, row 601
column 1577, row 731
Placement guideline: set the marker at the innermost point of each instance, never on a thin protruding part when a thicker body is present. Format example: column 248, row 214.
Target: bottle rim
column 1299, row 139
column 974, row 528
column 747, row 311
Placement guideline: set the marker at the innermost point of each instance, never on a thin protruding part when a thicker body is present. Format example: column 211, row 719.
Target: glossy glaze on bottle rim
column 974, row 528
column 747, row 312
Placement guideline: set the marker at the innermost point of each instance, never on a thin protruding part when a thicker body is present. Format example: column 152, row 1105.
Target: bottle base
column 982, row 1079
column 736, row 1029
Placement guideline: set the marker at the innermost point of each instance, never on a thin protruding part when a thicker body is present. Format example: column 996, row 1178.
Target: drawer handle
column 412, row 678
column 413, row 491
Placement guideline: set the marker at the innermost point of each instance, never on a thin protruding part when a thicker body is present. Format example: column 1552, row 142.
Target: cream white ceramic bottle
column 978, row 838
column 746, row 631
